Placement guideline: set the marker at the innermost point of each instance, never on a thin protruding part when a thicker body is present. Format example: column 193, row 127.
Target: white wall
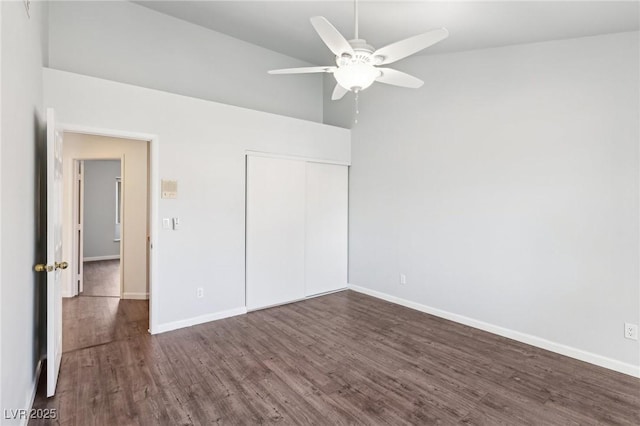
column 340, row 112
column 506, row 189
column 202, row 146
column 134, row 155
column 126, row 42
column 22, row 136
column 100, row 208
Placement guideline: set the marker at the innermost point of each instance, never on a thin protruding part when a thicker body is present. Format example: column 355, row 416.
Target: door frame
column 78, row 227
column 154, row 200
column 78, row 210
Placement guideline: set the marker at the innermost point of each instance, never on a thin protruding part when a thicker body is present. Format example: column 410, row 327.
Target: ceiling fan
column 358, row 64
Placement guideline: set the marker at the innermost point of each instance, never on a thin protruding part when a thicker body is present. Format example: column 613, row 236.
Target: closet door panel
column 275, row 231
column 326, row 228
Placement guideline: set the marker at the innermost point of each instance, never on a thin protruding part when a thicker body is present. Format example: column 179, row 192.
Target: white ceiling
column 283, row 26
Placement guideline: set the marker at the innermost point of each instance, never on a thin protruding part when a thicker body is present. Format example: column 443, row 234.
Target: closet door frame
column 252, row 153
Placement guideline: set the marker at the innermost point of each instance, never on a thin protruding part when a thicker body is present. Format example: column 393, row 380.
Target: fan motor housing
column 363, row 54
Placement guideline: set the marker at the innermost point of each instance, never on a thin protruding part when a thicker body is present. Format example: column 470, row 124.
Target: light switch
column 176, row 223
column 166, row 223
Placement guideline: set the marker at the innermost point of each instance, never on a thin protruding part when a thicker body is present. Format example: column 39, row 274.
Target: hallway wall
column 100, row 237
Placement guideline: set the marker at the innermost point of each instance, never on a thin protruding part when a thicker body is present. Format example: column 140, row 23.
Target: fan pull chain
column 355, row 121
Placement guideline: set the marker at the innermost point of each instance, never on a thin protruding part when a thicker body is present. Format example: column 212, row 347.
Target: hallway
column 102, row 278
column 98, row 315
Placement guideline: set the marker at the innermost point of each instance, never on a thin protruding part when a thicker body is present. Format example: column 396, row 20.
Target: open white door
column 54, row 265
column 78, row 232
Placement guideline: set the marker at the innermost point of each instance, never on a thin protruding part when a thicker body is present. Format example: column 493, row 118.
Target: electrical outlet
column 403, row 279
column 200, row 293
column 630, row 331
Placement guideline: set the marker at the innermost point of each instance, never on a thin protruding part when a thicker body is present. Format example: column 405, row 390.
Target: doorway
column 106, row 214
column 98, row 225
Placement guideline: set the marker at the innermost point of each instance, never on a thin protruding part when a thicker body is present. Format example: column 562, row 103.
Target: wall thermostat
column 169, row 189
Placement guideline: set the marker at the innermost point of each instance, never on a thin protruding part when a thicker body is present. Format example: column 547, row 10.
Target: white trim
column 161, row 328
column 97, row 131
column 75, row 285
column 123, row 222
column 34, row 388
column 71, row 287
column 599, row 360
column 97, row 258
column 153, row 222
column 135, row 296
column 295, row 157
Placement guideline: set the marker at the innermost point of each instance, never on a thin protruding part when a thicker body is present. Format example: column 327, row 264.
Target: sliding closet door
column 326, row 228
column 275, row 231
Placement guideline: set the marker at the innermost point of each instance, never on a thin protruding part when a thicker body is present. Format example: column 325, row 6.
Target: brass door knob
column 43, row 267
column 62, row 265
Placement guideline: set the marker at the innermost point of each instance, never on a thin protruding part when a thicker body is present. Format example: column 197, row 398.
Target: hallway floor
column 102, row 278
column 90, row 321
column 98, row 316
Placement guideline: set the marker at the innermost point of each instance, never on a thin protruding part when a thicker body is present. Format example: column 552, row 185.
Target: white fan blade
column 303, row 70
column 398, row 78
column 338, row 92
column 403, row 48
column 331, row 37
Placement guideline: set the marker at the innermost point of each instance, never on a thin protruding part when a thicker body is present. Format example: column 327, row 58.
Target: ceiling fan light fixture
column 357, row 62
column 356, row 77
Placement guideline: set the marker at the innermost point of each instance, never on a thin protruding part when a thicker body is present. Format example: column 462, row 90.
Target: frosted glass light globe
column 356, row 77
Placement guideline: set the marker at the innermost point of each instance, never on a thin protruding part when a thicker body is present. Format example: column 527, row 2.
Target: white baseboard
column 135, row 296
column 599, row 360
column 32, row 396
column 96, row 258
column 198, row 320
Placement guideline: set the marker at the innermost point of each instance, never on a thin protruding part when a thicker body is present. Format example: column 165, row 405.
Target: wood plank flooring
column 101, row 278
column 344, row 358
column 90, row 321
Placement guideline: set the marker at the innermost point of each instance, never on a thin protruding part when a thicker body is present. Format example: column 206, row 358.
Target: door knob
column 62, row 265
column 43, row 267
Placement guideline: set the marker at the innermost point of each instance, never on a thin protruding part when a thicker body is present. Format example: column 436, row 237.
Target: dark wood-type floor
column 345, row 358
column 101, row 278
column 90, row 321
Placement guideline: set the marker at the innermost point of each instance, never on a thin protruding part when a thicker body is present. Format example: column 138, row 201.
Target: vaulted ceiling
column 283, row 26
